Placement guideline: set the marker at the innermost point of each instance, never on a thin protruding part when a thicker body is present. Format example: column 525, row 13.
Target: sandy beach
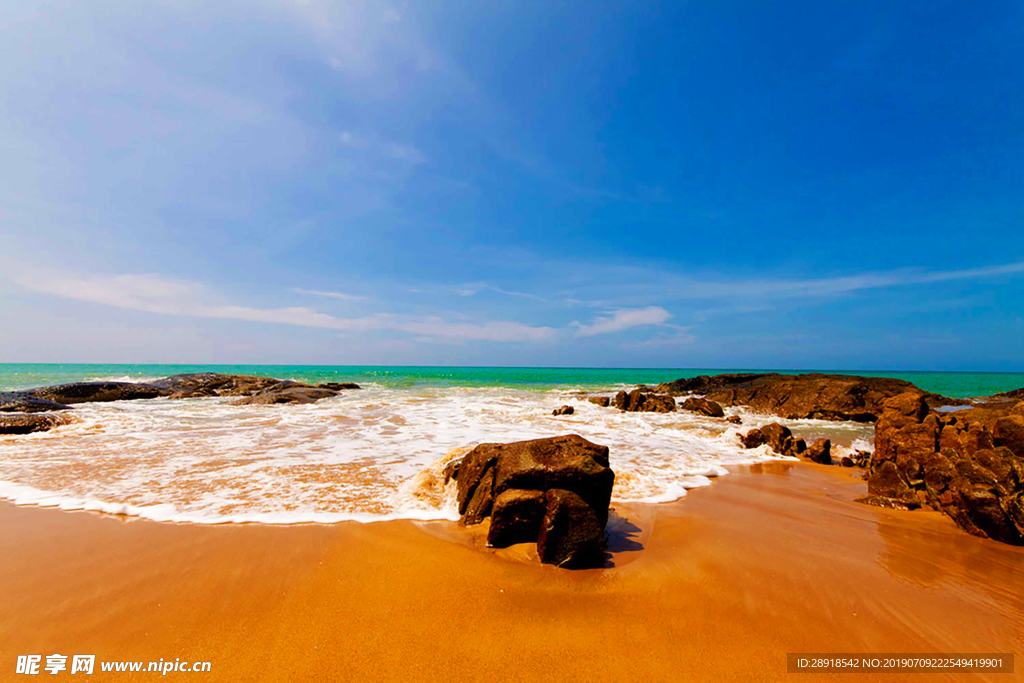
column 773, row 558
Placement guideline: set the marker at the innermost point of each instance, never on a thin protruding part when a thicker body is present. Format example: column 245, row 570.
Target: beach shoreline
column 773, row 558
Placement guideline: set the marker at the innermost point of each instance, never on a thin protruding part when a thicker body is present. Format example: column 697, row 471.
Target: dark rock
column 286, row 392
column 820, row 452
column 827, row 397
column 778, row 438
column 31, row 423
column 96, row 392
column 885, row 482
column 603, row 401
column 798, row 447
column 478, row 508
column 1008, row 431
column 703, row 406
column 20, row 402
column 571, row 535
column 847, row 461
column 639, row 401
column 564, row 410
column 516, row 517
column 485, row 475
column 339, row 386
column 735, row 419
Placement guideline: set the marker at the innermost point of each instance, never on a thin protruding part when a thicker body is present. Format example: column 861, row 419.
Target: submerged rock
column 286, row 392
column 818, row 396
column 31, row 423
column 703, row 406
column 21, row 402
column 339, row 386
column 603, row 401
column 97, row 392
column 555, row 491
column 969, row 465
column 564, row 410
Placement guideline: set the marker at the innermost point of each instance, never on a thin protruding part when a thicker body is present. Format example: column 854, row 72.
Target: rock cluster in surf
column 781, row 440
column 36, row 407
column 968, row 464
column 554, row 492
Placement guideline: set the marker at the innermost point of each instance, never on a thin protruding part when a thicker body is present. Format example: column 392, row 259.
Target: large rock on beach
column 97, row 392
column 640, row 400
column 817, row 396
column 554, row 491
column 603, row 401
column 21, row 402
column 31, row 422
column 968, row 464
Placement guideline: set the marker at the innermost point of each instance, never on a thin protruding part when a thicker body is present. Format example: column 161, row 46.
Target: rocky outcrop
column 703, row 406
column 564, row 410
column 195, row 385
column 97, row 392
column 817, row 396
column 603, row 401
column 639, row 401
column 32, row 422
column 339, row 386
column 969, row 464
column 552, row 491
column 285, row 393
column 20, row 402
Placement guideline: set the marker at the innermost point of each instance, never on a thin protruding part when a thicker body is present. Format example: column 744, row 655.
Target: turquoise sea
column 24, row 375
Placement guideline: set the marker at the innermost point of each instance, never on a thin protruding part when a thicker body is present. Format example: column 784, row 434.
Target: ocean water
column 372, row 454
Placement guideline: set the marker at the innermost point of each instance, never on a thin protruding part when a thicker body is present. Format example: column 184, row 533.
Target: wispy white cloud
column 623, row 319
column 679, row 336
column 638, row 286
column 167, row 296
column 473, row 288
column 331, row 295
column 374, row 144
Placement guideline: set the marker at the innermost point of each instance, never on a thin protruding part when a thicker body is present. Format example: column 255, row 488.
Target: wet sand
column 719, row 586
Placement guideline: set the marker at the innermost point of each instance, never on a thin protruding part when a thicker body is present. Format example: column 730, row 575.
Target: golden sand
column 719, row 586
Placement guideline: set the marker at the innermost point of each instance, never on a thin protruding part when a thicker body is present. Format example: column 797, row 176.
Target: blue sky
column 727, row 184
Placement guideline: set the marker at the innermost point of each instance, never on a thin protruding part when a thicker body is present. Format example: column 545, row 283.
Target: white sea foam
column 135, row 379
column 366, row 455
